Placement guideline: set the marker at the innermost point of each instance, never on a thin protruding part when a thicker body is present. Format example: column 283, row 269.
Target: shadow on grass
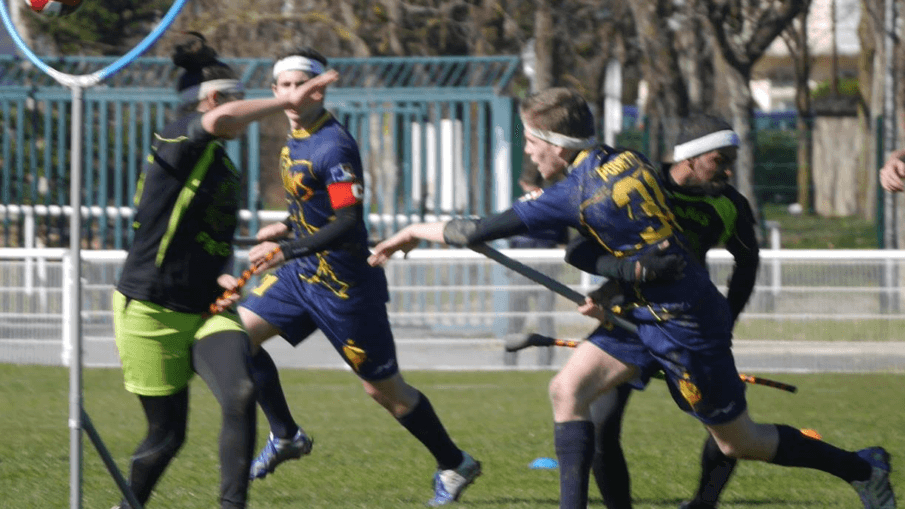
column 767, row 502
column 671, row 503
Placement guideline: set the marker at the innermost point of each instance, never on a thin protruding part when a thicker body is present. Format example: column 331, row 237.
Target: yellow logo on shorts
column 689, row 391
column 266, row 283
column 356, row 355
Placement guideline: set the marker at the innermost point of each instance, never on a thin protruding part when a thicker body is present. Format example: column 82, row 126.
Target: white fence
column 455, row 308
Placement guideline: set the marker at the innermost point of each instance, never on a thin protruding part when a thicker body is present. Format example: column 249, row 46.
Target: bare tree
column 668, row 99
column 743, row 30
column 796, row 40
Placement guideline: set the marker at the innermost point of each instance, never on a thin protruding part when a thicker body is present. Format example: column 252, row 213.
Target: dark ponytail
column 200, row 64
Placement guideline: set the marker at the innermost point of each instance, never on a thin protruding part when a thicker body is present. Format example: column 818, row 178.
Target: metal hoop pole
column 75, row 301
column 78, row 84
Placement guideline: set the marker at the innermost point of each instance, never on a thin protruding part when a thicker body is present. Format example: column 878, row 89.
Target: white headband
column 297, row 63
column 200, row 91
column 704, row 144
column 561, row 140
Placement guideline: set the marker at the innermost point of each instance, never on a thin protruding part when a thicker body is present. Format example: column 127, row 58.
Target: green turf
column 363, row 459
column 811, row 231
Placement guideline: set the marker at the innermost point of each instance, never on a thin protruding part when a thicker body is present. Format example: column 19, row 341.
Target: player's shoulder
column 735, row 196
column 612, row 165
column 334, row 145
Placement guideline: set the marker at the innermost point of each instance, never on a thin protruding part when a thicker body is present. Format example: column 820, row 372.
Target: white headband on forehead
column 704, row 144
column 200, row 91
column 561, row 140
column 297, row 63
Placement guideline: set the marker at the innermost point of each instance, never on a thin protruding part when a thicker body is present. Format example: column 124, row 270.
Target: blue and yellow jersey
column 616, row 198
column 619, row 200
column 185, row 218
column 315, row 161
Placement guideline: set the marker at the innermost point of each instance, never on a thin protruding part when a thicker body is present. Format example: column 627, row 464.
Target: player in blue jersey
column 710, row 212
column 326, row 284
column 177, row 266
column 618, row 200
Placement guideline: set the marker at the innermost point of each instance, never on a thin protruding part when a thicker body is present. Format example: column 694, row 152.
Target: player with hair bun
column 186, row 214
column 617, row 200
column 326, row 283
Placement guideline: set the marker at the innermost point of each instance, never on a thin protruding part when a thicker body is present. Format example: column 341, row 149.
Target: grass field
column 807, row 231
column 363, row 459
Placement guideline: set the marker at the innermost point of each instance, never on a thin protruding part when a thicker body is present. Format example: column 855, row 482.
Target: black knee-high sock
column 574, row 442
column 270, row 395
column 167, row 417
column 797, row 450
column 423, row 423
column 221, row 360
column 716, row 468
column 609, row 466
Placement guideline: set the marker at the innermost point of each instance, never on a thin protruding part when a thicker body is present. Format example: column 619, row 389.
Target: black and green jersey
column 725, row 219
column 186, row 212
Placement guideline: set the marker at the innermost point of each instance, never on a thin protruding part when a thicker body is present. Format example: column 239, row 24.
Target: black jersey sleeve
column 464, row 232
column 327, row 237
column 591, row 257
column 744, row 249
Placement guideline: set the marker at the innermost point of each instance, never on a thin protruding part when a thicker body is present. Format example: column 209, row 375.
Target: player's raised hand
column 312, row 91
column 893, row 172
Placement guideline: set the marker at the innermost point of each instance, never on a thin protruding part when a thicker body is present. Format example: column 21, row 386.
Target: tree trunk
column 668, row 99
column 544, row 45
column 797, row 43
column 740, row 103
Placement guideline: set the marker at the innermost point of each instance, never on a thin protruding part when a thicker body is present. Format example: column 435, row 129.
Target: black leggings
column 609, row 466
column 221, row 361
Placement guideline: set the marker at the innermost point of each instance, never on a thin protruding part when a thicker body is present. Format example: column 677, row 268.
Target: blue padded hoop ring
column 87, row 80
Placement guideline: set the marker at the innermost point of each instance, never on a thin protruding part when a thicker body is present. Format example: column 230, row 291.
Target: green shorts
column 154, row 343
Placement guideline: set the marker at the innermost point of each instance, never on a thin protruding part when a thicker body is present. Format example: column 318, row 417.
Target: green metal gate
column 437, row 136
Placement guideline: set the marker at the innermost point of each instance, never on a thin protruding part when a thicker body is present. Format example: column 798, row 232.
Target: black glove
column 660, row 266
column 608, row 295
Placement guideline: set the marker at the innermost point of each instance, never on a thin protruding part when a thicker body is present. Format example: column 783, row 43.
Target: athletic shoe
column 876, row 492
column 691, row 504
column 279, row 450
column 449, row 484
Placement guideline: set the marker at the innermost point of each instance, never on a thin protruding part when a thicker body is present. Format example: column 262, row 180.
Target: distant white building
column 773, row 78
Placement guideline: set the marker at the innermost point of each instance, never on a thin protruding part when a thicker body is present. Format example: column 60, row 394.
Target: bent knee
column 394, row 394
column 560, row 389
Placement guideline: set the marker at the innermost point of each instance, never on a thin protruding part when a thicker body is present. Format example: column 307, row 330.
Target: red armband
column 344, row 194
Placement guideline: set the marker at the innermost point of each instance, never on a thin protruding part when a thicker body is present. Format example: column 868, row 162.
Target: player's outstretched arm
column 893, row 172
column 405, row 240
column 231, row 118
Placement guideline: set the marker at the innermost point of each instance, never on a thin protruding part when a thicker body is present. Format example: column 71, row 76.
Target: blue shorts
column 359, row 329
column 702, row 382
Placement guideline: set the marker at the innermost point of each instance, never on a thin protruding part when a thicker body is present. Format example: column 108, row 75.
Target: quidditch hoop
column 87, row 80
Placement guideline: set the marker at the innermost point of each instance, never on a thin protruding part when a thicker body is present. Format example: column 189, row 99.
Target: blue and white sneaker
column 279, row 450
column 449, row 484
column 876, row 492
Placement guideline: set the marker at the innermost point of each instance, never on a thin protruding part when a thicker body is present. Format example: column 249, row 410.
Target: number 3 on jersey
column 643, row 184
